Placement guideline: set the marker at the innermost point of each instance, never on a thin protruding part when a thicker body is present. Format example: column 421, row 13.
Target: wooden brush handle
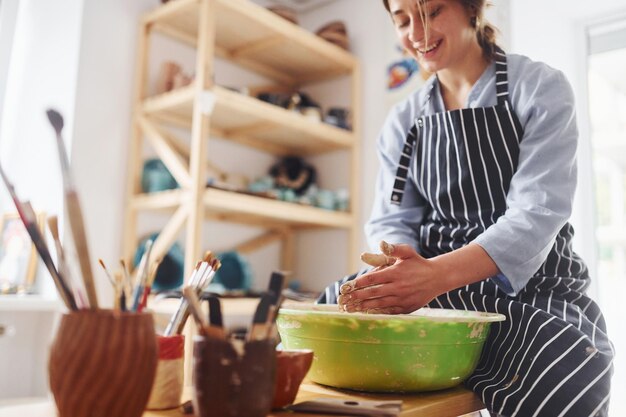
column 77, row 225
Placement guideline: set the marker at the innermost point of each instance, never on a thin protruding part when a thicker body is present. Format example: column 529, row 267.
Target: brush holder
column 168, row 382
column 233, row 381
column 102, row 363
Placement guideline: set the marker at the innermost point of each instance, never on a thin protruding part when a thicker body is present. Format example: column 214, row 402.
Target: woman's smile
column 429, row 50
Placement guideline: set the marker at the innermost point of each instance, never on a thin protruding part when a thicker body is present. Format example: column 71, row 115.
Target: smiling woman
column 474, row 194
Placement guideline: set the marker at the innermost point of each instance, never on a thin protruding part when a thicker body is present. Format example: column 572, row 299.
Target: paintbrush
column 275, row 287
column 75, row 214
column 29, row 219
column 126, row 285
column 118, row 290
column 275, row 290
column 175, row 320
column 216, row 326
column 272, row 332
column 210, row 265
column 259, row 327
column 16, row 200
column 149, row 282
column 107, row 273
column 42, row 248
column 200, row 278
column 116, row 283
column 140, row 278
column 196, row 310
column 62, row 267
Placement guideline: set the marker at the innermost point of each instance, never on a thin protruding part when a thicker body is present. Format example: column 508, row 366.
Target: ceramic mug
column 231, row 380
column 168, row 382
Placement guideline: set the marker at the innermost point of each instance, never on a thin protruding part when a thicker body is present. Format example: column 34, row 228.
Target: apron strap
column 502, row 83
column 502, row 91
column 405, row 161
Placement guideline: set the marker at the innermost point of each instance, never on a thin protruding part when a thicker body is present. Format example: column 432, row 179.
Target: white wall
column 101, row 127
column 8, row 14
column 44, row 64
column 368, row 46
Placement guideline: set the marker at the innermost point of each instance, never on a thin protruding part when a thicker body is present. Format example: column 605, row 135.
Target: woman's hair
column 485, row 31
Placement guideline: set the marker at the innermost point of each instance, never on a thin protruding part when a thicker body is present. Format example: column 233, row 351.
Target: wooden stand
column 272, row 47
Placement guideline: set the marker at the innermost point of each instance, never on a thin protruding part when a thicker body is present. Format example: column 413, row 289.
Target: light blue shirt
column 540, row 198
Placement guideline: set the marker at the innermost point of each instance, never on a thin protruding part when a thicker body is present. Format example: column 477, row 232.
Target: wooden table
column 449, row 403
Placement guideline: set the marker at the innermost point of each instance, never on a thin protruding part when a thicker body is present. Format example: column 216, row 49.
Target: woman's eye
column 435, row 12
column 402, row 23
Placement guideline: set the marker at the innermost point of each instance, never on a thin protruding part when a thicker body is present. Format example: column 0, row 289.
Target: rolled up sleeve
column 540, row 198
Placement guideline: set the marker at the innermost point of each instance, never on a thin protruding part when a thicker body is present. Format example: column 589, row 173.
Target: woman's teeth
column 429, row 48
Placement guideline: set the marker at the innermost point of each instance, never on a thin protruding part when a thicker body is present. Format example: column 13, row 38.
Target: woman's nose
column 416, row 33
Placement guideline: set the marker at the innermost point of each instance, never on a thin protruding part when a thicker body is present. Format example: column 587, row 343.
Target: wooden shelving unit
column 258, row 40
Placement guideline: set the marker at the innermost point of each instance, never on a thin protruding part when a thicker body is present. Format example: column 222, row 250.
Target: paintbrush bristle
column 56, row 120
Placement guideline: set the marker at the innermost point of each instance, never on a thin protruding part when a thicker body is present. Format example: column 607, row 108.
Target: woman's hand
column 411, row 281
column 402, row 287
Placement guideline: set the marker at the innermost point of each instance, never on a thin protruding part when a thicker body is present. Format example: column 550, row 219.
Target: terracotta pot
column 231, row 382
column 102, row 363
column 291, row 368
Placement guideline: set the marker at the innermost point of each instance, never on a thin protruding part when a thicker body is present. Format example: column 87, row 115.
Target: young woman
column 477, row 178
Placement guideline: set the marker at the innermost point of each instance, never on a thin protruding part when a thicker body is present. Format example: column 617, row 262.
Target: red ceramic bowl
column 291, row 368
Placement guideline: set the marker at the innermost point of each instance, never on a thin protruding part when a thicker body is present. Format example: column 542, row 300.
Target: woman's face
column 449, row 37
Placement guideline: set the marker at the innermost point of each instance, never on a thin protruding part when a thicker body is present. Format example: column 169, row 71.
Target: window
column 607, row 113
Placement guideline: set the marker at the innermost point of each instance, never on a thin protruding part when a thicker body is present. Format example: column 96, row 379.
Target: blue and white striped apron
column 551, row 357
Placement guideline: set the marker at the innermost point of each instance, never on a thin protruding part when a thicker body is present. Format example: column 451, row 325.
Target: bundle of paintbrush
column 200, row 278
column 29, row 218
column 263, row 322
column 71, row 295
column 130, row 293
column 74, row 295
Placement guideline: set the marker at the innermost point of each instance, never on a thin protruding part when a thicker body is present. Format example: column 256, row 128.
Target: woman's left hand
column 410, row 283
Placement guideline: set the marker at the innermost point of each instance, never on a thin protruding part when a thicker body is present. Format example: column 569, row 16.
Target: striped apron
column 551, row 357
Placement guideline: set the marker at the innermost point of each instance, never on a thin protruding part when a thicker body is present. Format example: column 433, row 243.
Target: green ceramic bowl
column 427, row 350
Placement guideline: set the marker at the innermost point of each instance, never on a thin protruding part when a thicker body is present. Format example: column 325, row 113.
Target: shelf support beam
column 168, row 234
column 259, row 242
column 288, row 250
column 172, row 160
column 200, row 128
column 133, row 174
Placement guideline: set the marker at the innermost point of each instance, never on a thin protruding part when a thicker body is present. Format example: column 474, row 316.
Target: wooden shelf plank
column 163, row 200
column 300, row 57
column 249, row 209
column 267, row 209
column 235, row 116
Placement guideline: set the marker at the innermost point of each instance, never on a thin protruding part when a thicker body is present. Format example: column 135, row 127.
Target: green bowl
column 427, row 350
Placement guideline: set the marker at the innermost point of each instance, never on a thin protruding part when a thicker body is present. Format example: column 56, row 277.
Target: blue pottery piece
column 170, row 274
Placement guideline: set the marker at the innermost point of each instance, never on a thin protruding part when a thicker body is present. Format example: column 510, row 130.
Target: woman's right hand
column 404, row 283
